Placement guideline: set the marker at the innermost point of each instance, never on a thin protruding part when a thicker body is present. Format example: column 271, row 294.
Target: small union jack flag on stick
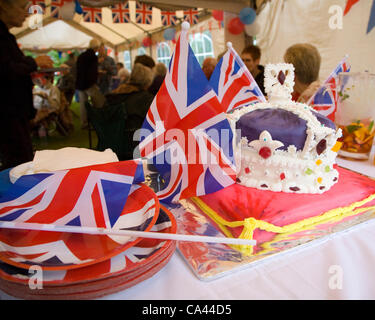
column 191, row 16
column 325, row 98
column 233, row 83
column 143, row 13
column 168, row 18
column 92, row 14
column 86, row 197
column 89, row 196
column 186, row 135
column 121, row 13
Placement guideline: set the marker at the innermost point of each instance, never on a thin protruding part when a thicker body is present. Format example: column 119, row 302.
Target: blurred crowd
column 32, row 99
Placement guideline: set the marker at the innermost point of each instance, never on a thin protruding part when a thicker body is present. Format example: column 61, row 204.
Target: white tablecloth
column 338, row 267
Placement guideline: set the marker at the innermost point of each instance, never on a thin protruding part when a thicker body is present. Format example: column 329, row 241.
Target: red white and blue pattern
column 325, row 99
column 186, row 134
column 143, row 13
column 121, row 13
column 56, row 5
column 168, row 18
column 233, row 83
column 133, row 258
column 191, row 16
column 64, row 250
column 91, row 196
column 92, row 14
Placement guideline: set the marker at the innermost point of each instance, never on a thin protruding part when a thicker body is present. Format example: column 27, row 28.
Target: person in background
column 87, row 79
column 119, row 66
column 160, row 72
column 251, row 57
column 16, row 108
column 71, row 62
column 66, row 83
column 306, row 61
column 46, row 97
column 107, row 69
column 122, row 76
column 145, row 60
column 208, row 66
column 137, row 101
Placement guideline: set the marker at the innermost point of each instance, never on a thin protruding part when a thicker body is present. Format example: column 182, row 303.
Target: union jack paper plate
column 119, row 273
column 89, row 290
column 144, row 254
column 65, row 251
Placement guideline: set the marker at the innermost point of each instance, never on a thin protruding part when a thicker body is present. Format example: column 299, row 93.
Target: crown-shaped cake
column 282, row 145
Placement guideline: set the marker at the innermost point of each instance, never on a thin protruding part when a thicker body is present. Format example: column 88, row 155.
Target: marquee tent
column 279, row 24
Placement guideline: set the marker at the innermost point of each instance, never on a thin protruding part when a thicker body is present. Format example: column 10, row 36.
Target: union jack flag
column 121, row 13
column 233, row 83
column 92, row 14
column 325, row 98
column 93, row 196
column 191, row 16
column 56, row 5
column 143, row 13
column 186, row 134
column 126, row 261
column 168, row 18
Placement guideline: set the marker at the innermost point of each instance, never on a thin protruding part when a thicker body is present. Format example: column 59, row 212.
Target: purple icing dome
column 283, row 125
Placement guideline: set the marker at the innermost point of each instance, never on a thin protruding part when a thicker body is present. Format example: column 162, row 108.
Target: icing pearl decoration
column 306, row 169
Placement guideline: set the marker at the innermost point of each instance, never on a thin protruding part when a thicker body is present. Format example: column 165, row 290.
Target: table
column 336, row 267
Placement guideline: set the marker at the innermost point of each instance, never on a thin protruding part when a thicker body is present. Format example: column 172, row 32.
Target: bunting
column 169, row 18
column 191, row 16
column 56, row 6
column 349, row 5
column 371, row 22
column 143, row 13
column 121, row 13
column 92, row 14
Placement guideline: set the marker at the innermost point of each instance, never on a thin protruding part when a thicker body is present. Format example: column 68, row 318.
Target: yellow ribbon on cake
column 250, row 224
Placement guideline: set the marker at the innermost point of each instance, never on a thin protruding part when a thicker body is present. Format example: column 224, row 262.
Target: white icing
column 276, row 91
column 304, row 170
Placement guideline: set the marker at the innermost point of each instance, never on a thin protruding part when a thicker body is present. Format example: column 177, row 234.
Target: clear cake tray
column 209, row 261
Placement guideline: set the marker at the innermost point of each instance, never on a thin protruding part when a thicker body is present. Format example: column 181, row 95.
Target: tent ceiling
column 115, row 35
column 234, row 6
column 121, row 35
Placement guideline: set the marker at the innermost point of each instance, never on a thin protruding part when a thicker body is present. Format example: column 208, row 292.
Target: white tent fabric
column 57, row 34
column 284, row 23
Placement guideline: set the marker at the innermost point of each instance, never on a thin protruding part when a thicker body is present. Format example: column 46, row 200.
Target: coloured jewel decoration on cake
column 282, row 145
